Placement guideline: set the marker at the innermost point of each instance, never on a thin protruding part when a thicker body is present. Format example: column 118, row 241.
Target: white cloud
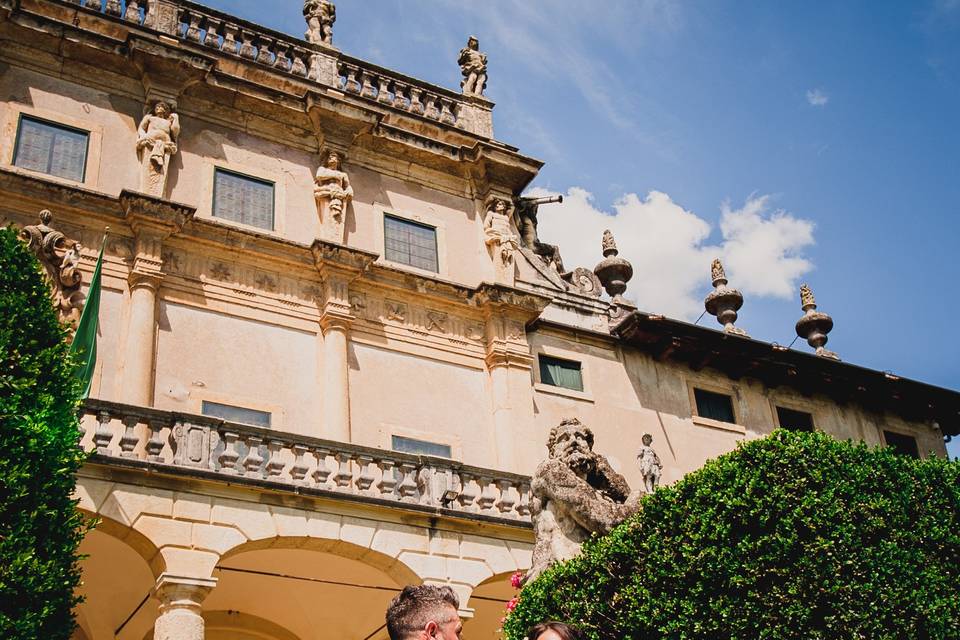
column 817, row 97
column 668, row 246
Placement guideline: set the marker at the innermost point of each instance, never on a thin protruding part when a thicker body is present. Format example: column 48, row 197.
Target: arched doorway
column 488, row 602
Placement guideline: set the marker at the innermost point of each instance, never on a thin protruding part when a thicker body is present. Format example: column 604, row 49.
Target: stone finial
column 320, row 16
column 814, row 325
column 60, row 258
column 473, row 66
column 613, row 271
column 723, row 302
column 156, row 143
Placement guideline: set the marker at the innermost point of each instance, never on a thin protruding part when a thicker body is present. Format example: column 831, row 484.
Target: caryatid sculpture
column 576, row 493
column 156, row 142
column 333, row 193
column 473, row 66
column 320, row 16
column 650, row 465
column 501, row 242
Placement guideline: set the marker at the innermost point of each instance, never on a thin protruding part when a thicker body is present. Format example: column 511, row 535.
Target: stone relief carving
column 473, row 66
column 333, row 193
column 396, row 311
column 723, row 302
column 500, row 240
column 358, row 305
column 650, row 465
column 60, row 258
column 320, row 16
column 575, row 493
column 220, row 271
column 436, row 321
column 156, row 142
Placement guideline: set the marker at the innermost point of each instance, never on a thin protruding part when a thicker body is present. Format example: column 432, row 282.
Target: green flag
column 84, row 345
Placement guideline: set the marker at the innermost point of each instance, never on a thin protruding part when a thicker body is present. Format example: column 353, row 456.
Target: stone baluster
column 264, row 55
column 416, row 103
column 154, row 446
column 253, row 460
column 446, row 111
column 96, row 5
column 282, row 62
column 212, row 39
column 275, row 463
column 468, row 494
column 298, row 67
column 368, row 90
column 488, row 496
column 366, row 477
column 383, row 91
column 354, row 80
column 388, row 482
column 230, row 44
column 322, row 472
column 408, row 483
column 132, row 14
column 247, row 50
column 432, row 111
column 114, row 8
column 129, row 439
column 103, row 434
column 523, row 506
column 193, row 30
column 400, row 95
column 506, row 502
column 298, row 472
column 229, row 456
column 344, row 476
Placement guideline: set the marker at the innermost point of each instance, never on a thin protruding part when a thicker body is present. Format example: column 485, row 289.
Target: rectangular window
column 794, row 420
column 51, row 148
column 561, row 373
column 716, row 406
column 420, row 447
column 902, row 444
column 236, row 414
column 243, row 199
column 410, row 243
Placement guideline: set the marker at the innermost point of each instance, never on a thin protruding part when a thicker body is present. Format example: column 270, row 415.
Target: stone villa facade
column 332, row 344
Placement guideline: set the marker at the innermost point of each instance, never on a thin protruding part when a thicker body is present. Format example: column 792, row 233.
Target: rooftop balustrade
column 202, row 446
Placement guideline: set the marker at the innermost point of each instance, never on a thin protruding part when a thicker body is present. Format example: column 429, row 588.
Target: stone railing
column 183, row 443
column 130, row 10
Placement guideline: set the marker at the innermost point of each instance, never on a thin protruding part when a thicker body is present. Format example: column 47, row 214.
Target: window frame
column 448, row 446
column 386, row 431
column 413, row 223
column 253, row 178
column 704, row 421
column 895, row 432
column 777, row 406
column 439, row 225
column 562, row 354
column 88, row 134
column 269, row 414
column 543, row 357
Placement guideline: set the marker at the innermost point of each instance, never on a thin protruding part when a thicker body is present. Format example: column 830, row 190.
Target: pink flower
column 515, row 579
column 512, row 604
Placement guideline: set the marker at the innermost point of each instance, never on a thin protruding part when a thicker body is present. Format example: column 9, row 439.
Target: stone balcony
column 205, row 448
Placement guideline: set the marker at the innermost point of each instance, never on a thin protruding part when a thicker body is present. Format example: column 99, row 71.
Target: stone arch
column 132, row 538
column 488, row 602
column 236, row 625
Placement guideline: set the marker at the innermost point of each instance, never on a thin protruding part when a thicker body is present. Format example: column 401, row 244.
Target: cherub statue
column 156, row 142
column 320, row 16
column 650, row 465
column 473, row 66
column 333, row 193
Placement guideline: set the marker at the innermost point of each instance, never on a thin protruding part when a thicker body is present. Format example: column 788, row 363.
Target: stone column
column 180, row 601
column 139, row 353
column 336, row 377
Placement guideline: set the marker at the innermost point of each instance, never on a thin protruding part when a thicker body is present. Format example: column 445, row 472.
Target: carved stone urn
column 723, row 302
column 613, row 271
column 814, row 325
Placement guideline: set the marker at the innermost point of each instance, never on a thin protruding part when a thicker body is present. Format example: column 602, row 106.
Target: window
column 410, row 243
column 716, row 406
column 421, row 447
column 561, row 373
column 51, row 148
column 794, row 420
column 236, row 414
column 243, row 199
column 902, row 444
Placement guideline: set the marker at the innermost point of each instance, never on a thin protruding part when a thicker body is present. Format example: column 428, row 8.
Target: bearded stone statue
column 575, row 493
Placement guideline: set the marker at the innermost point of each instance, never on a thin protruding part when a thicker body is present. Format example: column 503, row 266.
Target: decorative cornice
column 140, row 209
column 338, row 256
column 494, row 294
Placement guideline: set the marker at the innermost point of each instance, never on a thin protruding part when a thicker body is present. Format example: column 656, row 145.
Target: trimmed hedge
column 40, row 527
column 796, row 535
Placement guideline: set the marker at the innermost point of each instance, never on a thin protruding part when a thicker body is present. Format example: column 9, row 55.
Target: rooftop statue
column 156, row 142
column 320, row 16
column 473, row 66
column 575, row 493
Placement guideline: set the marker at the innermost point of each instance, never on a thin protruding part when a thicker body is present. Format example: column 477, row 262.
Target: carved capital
column 144, row 280
column 182, row 592
column 163, row 217
column 331, row 256
column 335, row 321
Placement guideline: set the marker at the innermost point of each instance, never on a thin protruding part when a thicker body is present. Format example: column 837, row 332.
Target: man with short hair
column 424, row 612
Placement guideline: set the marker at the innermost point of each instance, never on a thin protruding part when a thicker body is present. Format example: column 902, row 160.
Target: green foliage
column 793, row 536
column 40, row 527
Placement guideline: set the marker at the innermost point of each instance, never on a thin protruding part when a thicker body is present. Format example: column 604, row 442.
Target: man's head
column 424, row 612
column 572, row 443
column 333, row 160
column 473, row 43
column 161, row 109
column 647, row 439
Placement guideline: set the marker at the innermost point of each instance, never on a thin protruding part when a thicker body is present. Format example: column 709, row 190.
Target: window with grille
column 410, row 243
column 903, row 444
column 51, row 148
column 231, row 413
column 420, row 447
column 794, row 420
column 243, row 199
column 561, row 373
column 716, row 406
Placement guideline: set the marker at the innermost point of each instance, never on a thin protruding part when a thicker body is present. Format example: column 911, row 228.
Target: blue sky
column 806, row 141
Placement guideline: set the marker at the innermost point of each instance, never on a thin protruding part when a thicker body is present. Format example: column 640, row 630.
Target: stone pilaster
column 180, row 607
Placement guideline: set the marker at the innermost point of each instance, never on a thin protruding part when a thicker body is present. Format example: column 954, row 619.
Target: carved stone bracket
column 152, row 220
column 60, row 259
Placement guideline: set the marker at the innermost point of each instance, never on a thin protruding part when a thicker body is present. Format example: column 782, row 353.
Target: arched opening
column 488, row 601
